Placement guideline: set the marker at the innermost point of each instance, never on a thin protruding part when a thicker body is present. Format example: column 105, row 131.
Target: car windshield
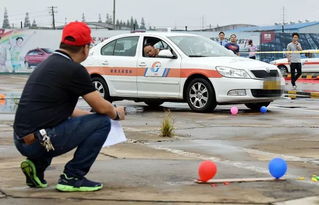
column 197, row 46
column 47, row 50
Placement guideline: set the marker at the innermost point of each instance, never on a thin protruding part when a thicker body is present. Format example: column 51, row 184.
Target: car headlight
column 232, row 72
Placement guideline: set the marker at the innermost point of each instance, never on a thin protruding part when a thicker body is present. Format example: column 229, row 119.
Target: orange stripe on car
column 133, row 71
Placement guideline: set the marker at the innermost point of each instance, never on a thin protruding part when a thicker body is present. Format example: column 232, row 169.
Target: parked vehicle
column 35, row 56
column 310, row 63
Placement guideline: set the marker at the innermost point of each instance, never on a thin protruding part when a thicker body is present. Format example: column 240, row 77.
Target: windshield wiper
column 198, row 56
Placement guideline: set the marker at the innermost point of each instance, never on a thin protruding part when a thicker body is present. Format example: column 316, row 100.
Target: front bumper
column 254, row 89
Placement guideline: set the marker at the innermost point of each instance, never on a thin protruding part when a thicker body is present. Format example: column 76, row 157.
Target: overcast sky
column 165, row 13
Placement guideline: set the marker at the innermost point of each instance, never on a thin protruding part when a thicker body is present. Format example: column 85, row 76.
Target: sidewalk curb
column 301, row 94
column 304, row 76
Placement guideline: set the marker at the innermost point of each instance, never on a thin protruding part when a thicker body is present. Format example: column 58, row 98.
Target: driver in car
column 150, row 51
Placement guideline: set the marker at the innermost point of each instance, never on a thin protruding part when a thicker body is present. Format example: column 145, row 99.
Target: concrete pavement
column 149, row 169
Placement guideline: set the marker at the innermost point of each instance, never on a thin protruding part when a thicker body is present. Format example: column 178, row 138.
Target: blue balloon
column 277, row 167
column 263, row 109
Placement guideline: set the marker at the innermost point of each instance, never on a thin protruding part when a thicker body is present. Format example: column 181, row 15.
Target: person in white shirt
column 252, row 49
column 222, row 41
column 294, row 59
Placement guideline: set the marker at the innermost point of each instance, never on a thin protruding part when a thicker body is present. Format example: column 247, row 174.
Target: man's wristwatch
column 117, row 116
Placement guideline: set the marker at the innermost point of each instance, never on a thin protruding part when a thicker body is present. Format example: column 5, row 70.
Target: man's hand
column 120, row 112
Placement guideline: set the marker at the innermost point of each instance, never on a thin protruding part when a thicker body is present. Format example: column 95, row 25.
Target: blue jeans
column 88, row 133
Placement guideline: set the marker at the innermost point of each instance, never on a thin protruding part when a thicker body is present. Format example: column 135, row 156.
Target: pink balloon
column 207, row 170
column 234, row 110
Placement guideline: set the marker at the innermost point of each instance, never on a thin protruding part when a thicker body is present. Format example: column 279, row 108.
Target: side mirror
column 165, row 54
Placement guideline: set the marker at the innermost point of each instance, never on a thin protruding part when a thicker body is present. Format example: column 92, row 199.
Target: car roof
column 163, row 34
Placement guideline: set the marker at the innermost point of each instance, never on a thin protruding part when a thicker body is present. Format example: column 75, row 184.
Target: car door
column 39, row 56
column 118, row 60
column 161, row 76
column 310, row 64
column 32, row 57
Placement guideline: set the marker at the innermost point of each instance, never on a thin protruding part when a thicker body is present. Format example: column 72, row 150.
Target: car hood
column 282, row 60
column 233, row 62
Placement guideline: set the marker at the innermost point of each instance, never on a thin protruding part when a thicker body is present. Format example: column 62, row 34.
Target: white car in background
column 309, row 61
column 189, row 68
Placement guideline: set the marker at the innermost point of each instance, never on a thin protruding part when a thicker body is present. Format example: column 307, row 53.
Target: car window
column 157, row 44
column 108, row 49
column 126, row 46
column 121, row 47
column 33, row 53
column 161, row 45
column 47, row 50
column 198, row 46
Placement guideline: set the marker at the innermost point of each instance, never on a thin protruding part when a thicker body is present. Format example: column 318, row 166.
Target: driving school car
column 189, row 68
column 309, row 61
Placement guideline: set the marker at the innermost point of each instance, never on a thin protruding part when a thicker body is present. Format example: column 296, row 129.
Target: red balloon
column 206, row 170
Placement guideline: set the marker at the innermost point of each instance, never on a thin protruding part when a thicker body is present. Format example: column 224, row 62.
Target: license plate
column 271, row 85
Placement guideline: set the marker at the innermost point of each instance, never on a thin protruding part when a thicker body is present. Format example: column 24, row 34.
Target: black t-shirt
column 51, row 94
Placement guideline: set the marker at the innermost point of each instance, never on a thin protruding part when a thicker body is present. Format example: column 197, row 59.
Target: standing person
column 222, row 41
column 47, row 124
column 233, row 46
column 252, row 49
column 294, row 59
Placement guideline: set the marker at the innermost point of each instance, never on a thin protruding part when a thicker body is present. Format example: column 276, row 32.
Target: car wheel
column 200, row 95
column 257, row 106
column 283, row 69
column 101, row 86
column 153, row 103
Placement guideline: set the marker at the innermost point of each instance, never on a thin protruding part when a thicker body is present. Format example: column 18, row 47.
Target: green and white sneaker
column 33, row 179
column 72, row 184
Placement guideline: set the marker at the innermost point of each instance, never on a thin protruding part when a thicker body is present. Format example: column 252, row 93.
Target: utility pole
column 114, row 14
column 283, row 19
column 52, row 12
column 203, row 22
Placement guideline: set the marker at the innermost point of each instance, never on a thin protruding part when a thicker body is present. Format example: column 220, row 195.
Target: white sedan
column 309, row 61
column 189, row 68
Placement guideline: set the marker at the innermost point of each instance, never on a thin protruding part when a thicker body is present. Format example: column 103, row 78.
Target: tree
column 83, row 17
column 100, row 19
column 34, row 24
column 136, row 26
column 132, row 22
column 117, row 24
column 27, row 23
column 5, row 23
column 142, row 24
column 108, row 19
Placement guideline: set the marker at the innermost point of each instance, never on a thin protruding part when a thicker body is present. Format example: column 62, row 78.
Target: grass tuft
column 167, row 129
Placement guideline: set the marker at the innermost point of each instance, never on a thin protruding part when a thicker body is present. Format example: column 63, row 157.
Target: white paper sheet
column 116, row 134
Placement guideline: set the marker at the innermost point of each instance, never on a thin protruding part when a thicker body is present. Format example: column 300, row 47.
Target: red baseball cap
column 78, row 31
